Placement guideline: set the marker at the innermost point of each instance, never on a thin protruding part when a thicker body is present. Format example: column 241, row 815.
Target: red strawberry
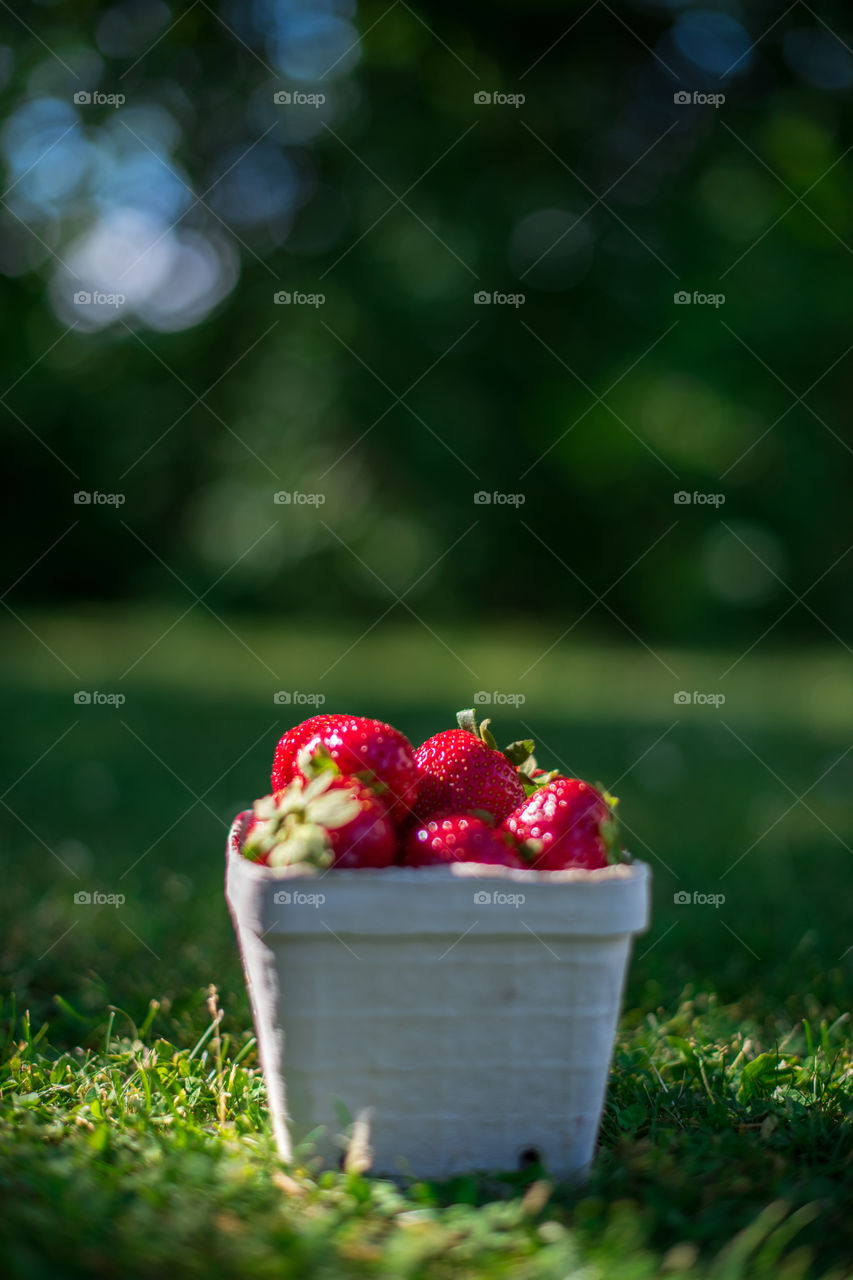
column 284, row 764
column 330, row 821
column 459, row 838
column 566, row 823
column 371, row 750
column 461, row 770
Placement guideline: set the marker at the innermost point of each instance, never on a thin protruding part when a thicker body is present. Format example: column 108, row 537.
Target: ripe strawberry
column 330, row 821
column 371, row 750
column 461, row 769
column 284, row 763
column 567, row 823
column 458, row 838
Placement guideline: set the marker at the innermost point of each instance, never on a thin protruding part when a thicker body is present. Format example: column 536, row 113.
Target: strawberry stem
column 467, row 720
column 518, row 753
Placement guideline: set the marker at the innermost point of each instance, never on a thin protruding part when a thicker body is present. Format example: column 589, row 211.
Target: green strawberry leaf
column 520, row 753
column 369, row 778
column 317, row 761
column 532, row 785
column 267, row 807
column 467, row 720
column 530, row 849
column 318, row 786
column 611, row 800
column 303, row 843
column 332, row 810
column 616, row 852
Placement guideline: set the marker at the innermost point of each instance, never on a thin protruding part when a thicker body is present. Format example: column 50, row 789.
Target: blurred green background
column 242, row 250
column 398, row 198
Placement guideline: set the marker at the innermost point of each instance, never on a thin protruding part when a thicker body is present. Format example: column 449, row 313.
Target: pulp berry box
column 466, row 1012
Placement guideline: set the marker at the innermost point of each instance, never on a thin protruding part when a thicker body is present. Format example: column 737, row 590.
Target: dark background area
column 598, row 199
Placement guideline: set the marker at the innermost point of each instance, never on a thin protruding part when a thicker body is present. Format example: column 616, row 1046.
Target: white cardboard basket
column 474, row 1029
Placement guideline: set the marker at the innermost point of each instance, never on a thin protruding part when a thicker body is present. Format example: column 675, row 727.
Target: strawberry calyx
column 313, row 763
column 519, row 754
column 609, row 829
column 291, row 827
column 529, row 850
column 532, row 777
column 483, row 815
column 467, row 720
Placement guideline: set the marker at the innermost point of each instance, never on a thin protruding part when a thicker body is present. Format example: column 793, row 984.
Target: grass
column 723, row 1156
column 133, row 1135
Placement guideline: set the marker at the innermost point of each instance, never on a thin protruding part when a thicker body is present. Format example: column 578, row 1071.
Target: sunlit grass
column 724, row 1154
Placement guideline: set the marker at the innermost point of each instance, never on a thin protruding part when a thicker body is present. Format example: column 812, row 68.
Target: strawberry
column 330, row 821
column 461, row 769
column 284, row 764
column 567, row 823
column 458, row 838
column 370, row 750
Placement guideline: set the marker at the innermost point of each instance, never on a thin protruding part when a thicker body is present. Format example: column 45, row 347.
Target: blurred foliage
column 397, row 198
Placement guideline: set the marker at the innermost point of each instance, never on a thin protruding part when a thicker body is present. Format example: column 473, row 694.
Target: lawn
column 133, row 1137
